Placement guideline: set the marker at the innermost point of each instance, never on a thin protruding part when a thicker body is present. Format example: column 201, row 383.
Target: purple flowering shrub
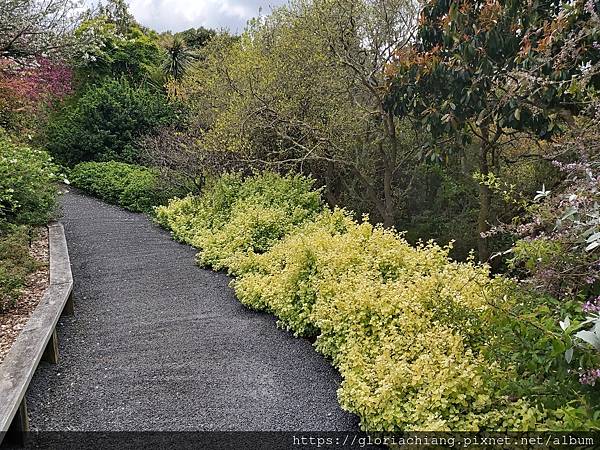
column 558, row 247
column 590, row 377
column 560, row 243
column 592, row 306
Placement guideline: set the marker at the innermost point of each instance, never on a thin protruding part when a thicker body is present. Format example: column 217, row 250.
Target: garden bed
column 15, row 319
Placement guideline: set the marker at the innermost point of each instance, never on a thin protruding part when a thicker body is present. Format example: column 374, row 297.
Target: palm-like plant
column 178, row 58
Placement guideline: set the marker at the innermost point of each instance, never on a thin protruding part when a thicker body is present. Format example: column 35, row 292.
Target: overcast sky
column 177, row 15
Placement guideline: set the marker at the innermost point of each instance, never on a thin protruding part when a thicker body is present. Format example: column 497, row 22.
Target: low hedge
column 236, row 216
column 133, row 187
column 422, row 342
column 402, row 324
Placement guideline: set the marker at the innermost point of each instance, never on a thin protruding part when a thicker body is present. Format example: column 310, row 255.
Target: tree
column 196, row 38
column 117, row 12
column 485, row 70
column 115, row 46
column 362, row 38
column 182, row 164
column 105, row 122
column 31, row 28
column 178, row 58
column 303, row 88
column 36, row 40
column 26, row 92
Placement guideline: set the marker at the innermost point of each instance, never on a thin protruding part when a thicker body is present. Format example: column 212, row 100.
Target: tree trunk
column 389, row 165
column 388, row 217
column 485, row 201
column 483, row 222
column 387, row 213
column 464, row 167
column 332, row 190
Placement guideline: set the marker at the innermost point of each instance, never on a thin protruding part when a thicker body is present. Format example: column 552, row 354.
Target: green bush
column 105, row 122
column 235, row 217
column 422, row 342
column 15, row 263
column 127, row 185
column 27, row 197
column 27, row 190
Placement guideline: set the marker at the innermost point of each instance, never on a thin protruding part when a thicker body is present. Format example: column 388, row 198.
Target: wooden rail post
column 69, row 306
column 51, row 352
column 17, row 432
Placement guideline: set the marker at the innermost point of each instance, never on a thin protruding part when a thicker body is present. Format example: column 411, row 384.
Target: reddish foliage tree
column 26, row 91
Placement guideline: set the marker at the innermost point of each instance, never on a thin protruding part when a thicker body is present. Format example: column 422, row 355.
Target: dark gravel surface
column 157, row 343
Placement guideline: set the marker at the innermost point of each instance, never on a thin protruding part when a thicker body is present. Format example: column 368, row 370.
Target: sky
column 177, row 15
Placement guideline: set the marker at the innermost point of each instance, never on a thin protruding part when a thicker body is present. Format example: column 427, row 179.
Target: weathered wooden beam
column 38, row 339
column 60, row 265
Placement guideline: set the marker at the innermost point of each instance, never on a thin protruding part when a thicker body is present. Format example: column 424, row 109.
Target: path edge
column 37, row 341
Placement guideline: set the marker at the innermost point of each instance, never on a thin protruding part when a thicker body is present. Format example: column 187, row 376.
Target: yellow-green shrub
column 184, row 217
column 405, row 369
column 402, row 324
column 281, row 280
column 236, row 216
column 422, row 342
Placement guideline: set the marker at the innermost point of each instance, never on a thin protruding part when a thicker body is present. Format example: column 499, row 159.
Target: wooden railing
column 37, row 341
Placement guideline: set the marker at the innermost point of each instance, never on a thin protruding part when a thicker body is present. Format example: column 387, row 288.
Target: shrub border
column 37, row 341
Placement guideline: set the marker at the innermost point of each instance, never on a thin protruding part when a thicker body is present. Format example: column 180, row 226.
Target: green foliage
column 177, row 59
column 15, row 263
column 443, row 202
column 442, row 206
column 303, row 89
column 468, row 66
column 482, row 71
column 422, row 342
column 235, row 217
column 27, row 192
column 116, row 50
column 104, row 123
column 27, row 197
column 533, row 253
column 196, row 38
column 558, row 231
column 127, row 185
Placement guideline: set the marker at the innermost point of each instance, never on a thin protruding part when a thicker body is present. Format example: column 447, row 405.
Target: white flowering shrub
column 27, row 191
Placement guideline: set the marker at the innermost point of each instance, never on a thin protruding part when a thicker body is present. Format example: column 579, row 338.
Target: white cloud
column 177, row 15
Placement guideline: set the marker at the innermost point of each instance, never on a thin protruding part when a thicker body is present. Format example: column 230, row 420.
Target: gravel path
column 157, row 343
